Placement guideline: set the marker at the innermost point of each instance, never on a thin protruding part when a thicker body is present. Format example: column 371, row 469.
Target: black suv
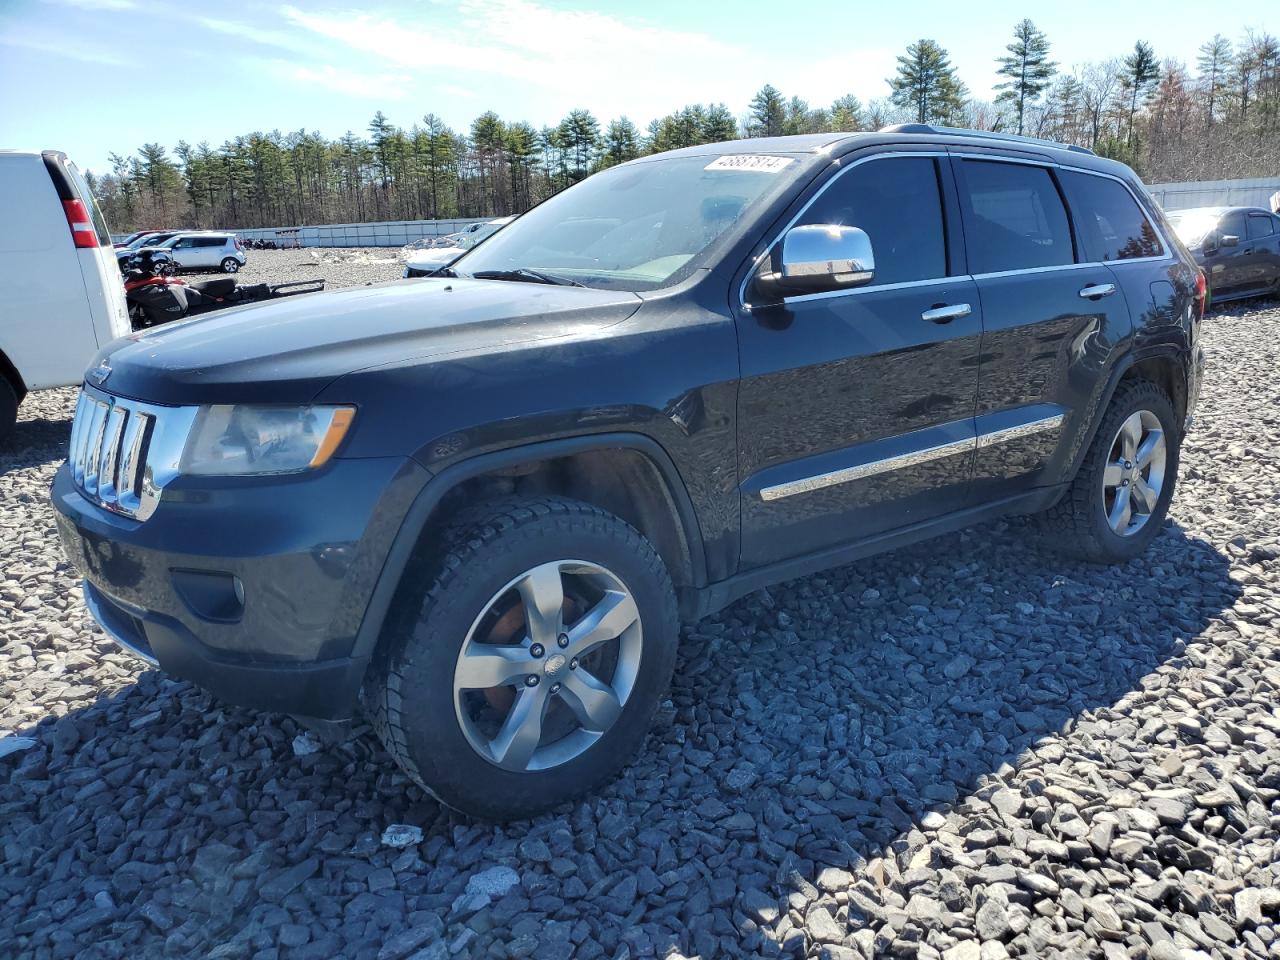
column 479, row 505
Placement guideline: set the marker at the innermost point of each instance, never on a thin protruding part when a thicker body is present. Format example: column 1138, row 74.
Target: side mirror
column 818, row 258
column 1229, row 240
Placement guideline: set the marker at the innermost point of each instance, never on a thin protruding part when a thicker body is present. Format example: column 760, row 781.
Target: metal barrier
column 389, row 233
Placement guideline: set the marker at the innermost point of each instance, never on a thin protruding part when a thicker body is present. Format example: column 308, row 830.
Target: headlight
column 244, row 440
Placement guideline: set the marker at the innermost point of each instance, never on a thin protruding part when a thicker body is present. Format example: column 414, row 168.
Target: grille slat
column 108, row 477
column 131, row 466
column 93, row 447
column 123, row 452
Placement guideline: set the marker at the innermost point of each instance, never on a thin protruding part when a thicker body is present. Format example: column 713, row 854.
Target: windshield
column 632, row 227
column 1193, row 227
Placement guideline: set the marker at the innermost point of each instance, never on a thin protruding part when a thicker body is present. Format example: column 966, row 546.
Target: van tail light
column 1202, row 291
column 82, row 232
column 239, row 245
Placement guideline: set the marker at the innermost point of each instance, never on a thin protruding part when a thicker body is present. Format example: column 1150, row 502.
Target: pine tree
column 719, row 125
column 621, row 142
column 1142, row 70
column 768, row 113
column 580, row 138
column 845, row 115
column 926, row 84
column 1214, row 63
column 1028, row 68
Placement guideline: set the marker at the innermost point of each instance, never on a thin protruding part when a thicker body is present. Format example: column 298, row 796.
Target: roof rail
column 984, row 134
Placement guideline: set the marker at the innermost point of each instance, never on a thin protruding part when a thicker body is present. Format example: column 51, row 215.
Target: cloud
column 257, row 34
column 60, row 46
column 106, row 5
column 575, row 58
column 379, row 86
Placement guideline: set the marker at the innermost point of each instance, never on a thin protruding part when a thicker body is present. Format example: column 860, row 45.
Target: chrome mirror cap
column 818, row 258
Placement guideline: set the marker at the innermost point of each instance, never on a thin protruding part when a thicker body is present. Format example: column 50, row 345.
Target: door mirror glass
column 1229, row 240
column 820, row 257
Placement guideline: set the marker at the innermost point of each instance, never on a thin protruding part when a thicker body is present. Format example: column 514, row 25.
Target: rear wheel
column 8, row 408
column 527, row 670
column 1115, row 506
column 230, row 265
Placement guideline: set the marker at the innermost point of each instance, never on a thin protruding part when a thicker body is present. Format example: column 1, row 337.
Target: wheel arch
column 1165, row 365
column 10, row 373
column 630, row 475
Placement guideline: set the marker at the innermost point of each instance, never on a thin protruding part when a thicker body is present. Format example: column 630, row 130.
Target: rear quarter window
column 1111, row 224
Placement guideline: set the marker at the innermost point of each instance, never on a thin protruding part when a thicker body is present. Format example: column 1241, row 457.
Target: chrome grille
column 124, row 452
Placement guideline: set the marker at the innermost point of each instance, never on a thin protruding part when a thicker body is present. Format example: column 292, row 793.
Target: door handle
column 945, row 314
column 1096, row 291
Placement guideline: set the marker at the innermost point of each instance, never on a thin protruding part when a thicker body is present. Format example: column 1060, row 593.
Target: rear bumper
column 255, row 591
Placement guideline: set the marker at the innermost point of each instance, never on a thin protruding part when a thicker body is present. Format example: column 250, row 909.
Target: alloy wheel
column 548, row 666
column 1134, row 476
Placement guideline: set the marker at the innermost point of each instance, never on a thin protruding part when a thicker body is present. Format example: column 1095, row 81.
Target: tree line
column 1217, row 120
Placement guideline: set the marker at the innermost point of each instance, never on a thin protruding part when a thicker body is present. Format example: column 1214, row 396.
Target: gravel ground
column 338, row 266
column 962, row 749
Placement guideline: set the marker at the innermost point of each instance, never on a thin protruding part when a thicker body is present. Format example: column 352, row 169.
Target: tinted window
column 210, row 242
column 1111, row 224
column 1015, row 218
column 1232, row 225
column 897, row 202
column 1260, row 226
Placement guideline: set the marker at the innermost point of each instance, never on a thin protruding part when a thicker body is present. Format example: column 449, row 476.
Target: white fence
column 1216, row 193
column 388, row 233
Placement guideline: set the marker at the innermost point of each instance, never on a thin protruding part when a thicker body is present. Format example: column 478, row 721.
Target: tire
column 230, row 265
column 8, row 409
column 1083, row 524
column 450, row 737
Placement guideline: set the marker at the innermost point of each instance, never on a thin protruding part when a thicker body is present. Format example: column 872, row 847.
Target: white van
column 61, row 294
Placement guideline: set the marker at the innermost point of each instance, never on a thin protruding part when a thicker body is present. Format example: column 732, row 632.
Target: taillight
column 1202, row 291
column 239, row 245
column 82, row 232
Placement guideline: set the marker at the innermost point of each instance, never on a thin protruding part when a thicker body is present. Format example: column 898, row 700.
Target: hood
column 288, row 350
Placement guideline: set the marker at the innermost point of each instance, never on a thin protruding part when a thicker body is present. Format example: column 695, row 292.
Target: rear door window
column 1260, row 225
column 896, row 201
column 1014, row 218
column 1112, row 225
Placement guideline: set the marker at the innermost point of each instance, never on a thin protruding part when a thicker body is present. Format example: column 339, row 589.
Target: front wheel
column 230, row 265
column 528, row 669
column 1115, row 506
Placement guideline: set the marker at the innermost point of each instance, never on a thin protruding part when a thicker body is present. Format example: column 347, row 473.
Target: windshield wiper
column 525, row 273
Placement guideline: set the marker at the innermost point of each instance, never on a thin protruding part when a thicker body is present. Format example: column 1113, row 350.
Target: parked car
column 430, row 261
column 63, row 300
column 1237, row 247
column 203, row 250
column 137, row 235
column 148, row 239
column 480, row 504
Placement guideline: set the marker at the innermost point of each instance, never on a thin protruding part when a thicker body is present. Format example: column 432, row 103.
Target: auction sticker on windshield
column 748, row 161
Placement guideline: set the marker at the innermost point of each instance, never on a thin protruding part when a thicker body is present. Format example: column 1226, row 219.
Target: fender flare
column 429, row 498
column 1105, row 396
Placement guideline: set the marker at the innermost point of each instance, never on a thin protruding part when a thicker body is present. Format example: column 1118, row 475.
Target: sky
column 93, row 77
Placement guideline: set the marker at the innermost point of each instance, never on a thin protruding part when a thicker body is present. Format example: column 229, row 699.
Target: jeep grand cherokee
column 479, row 505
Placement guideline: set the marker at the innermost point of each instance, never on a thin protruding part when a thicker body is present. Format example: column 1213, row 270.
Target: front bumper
column 254, row 589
